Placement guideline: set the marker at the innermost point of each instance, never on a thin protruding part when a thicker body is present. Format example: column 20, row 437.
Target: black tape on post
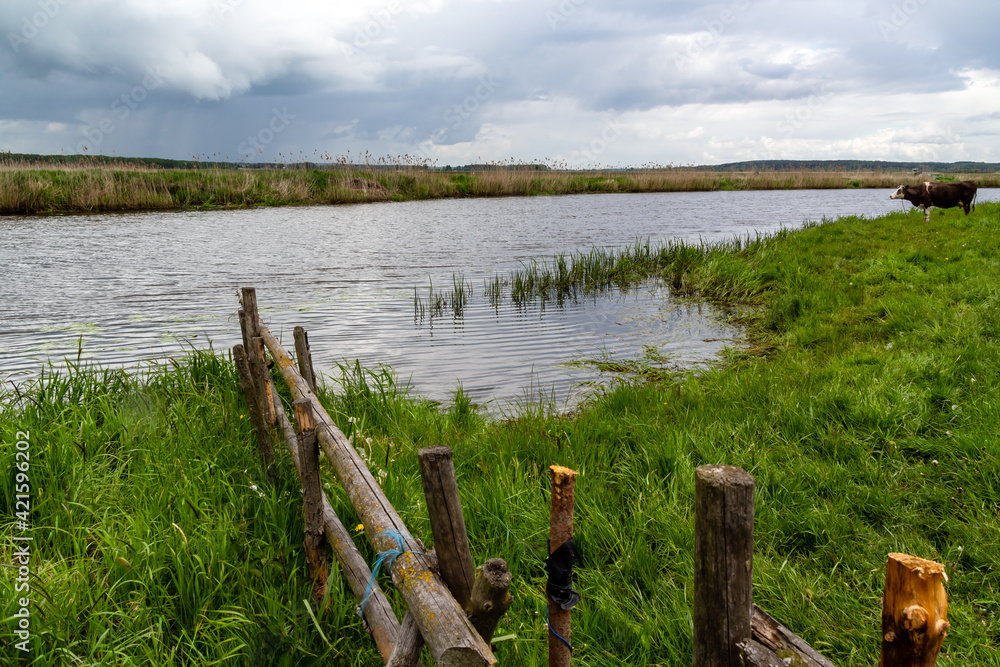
column 559, row 566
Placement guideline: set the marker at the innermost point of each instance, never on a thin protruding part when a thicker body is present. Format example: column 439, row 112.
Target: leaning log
column 782, row 641
column 914, row 612
column 378, row 612
column 449, row 635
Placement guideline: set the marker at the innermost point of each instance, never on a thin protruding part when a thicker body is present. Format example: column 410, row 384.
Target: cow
column 941, row 195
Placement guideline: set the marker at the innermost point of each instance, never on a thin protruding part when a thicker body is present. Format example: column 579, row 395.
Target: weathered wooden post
column 304, row 356
column 261, row 434
column 451, row 638
column 484, row 593
column 561, row 597
column 312, row 496
column 723, row 564
column 377, row 612
column 491, row 597
column 451, row 543
column 444, row 507
column 914, row 612
column 254, row 345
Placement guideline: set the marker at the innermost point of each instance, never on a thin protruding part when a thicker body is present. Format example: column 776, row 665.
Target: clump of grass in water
column 437, row 303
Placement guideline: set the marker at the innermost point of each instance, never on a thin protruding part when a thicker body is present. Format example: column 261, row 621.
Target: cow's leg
column 927, row 213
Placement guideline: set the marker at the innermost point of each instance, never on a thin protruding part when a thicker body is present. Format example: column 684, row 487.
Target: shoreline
column 27, row 191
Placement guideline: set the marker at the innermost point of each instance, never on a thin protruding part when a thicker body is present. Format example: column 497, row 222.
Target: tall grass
column 89, row 187
column 866, row 408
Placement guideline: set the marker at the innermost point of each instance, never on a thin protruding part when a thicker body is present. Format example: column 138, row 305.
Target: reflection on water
column 117, row 289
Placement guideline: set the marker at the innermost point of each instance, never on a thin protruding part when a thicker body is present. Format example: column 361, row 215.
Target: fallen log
column 377, row 612
column 451, row 638
column 782, row 641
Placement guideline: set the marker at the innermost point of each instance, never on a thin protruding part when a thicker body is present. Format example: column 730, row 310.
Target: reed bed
column 568, row 277
column 89, row 187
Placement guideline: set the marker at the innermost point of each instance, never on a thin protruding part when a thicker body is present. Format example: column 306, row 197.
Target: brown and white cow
column 941, row 195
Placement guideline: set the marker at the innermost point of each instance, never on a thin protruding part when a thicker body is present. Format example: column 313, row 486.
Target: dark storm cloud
column 204, row 76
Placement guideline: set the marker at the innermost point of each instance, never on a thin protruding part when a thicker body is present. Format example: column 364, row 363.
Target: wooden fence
column 454, row 608
column 731, row 631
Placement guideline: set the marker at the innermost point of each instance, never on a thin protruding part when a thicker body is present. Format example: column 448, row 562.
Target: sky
column 573, row 83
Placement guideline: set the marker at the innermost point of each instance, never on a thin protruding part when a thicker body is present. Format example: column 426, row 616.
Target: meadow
column 864, row 402
column 94, row 187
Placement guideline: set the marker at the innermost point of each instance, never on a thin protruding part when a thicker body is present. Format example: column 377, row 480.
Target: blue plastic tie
column 553, row 631
column 389, row 555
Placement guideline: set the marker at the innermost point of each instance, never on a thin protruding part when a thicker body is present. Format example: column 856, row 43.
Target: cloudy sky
column 576, row 82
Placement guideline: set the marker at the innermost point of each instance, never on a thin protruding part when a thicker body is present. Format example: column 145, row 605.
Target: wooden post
column 723, row 564
column 451, row 543
column 253, row 408
column 377, row 612
column 312, row 502
column 250, row 317
column 560, row 530
column 914, row 612
column 250, row 326
column 262, row 381
column 451, row 638
column 444, row 507
column 490, row 597
column 304, row 355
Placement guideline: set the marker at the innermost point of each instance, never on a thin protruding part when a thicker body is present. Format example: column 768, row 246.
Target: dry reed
column 90, row 187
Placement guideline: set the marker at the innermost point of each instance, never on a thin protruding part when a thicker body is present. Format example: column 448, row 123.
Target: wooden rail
column 377, row 612
column 449, row 635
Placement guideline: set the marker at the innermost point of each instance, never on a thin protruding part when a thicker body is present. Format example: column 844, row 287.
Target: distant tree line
column 750, row 165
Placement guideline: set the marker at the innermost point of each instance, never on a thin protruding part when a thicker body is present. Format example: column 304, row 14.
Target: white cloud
column 679, row 83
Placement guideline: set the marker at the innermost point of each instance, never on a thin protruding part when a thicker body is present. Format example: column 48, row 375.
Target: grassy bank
column 867, row 410
column 25, row 190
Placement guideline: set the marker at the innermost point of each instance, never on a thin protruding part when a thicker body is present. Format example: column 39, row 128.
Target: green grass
column 866, row 407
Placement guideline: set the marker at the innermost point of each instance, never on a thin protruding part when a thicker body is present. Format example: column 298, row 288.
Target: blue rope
column 389, row 555
column 553, row 631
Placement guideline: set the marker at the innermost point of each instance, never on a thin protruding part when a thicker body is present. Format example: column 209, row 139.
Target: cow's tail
column 974, row 195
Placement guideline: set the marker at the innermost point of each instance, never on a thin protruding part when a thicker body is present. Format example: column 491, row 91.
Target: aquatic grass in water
column 437, row 303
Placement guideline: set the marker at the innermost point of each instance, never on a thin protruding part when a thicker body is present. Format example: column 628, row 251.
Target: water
column 120, row 289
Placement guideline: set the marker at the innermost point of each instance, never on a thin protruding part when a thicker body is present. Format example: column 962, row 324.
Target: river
column 125, row 289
